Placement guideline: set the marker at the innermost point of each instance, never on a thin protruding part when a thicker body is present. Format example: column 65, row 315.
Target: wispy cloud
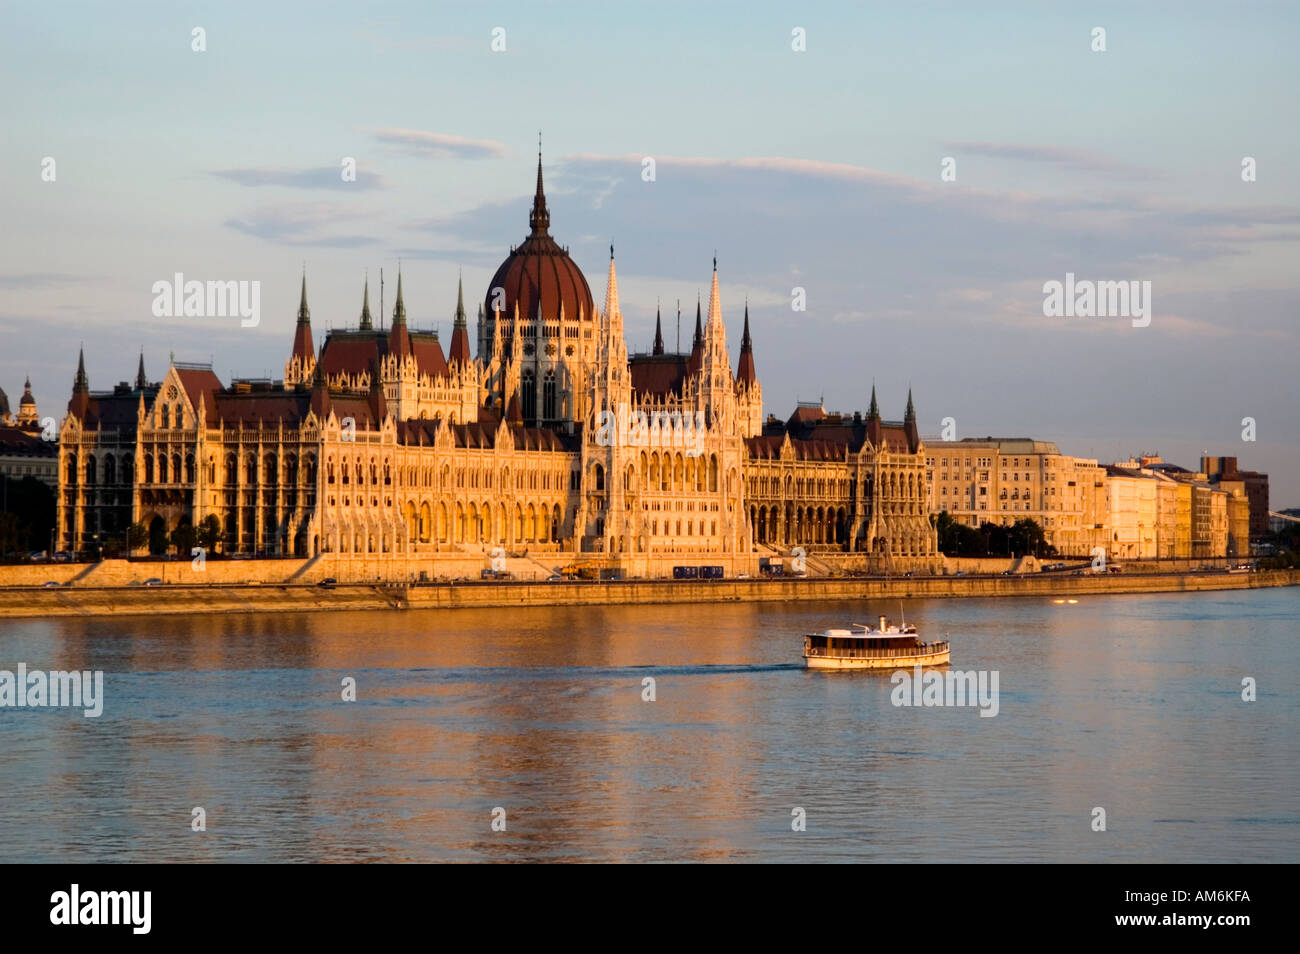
column 1082, row 160
column 23, row 281
column 322, row 178
column 431, row 145
column 302, row 224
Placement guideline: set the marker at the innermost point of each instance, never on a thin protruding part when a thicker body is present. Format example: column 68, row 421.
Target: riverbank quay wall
column 78, row 600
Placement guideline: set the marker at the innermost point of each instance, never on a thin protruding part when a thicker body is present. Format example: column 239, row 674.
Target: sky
column 818, row 169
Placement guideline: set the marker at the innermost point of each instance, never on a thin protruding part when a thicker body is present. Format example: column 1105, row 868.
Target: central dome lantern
column 540, row 272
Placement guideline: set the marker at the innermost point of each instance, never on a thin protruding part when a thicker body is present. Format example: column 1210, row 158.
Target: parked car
column 48, row 583
column 153, row 581
column 329, row 583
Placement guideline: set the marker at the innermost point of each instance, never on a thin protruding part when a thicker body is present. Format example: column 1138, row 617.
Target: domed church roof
column 540, row 270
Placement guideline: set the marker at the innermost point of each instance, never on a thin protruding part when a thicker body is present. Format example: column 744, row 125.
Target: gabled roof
column 657, row 375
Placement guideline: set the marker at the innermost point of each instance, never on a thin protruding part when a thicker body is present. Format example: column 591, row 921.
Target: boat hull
column 878, row 662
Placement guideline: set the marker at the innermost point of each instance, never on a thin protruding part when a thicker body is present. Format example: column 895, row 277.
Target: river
column 1132, row 704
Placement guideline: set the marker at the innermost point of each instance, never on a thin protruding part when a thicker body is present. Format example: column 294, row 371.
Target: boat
column 885, row 647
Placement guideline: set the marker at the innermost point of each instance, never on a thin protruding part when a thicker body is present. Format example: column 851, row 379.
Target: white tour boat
column 886, row 647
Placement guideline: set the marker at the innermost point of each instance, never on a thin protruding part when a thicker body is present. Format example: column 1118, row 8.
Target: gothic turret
column 27, row 416
column 459, row 354
column 659, row 334
column 366, row 323
column 909, row 424
column 302, row 359
column 539, row 219
column 745, row 375
column 697, row 345
column 399, row 339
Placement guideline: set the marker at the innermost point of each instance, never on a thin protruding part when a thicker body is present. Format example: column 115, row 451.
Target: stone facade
column 383, row 449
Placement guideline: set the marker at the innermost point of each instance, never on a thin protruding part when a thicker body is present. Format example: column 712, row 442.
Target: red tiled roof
column 199, row 384
column 657, row 375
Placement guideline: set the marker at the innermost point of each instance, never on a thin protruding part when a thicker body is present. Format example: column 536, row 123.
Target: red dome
column 540, row 270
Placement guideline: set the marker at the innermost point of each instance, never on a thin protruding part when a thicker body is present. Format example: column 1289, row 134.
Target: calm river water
column 1129, row 703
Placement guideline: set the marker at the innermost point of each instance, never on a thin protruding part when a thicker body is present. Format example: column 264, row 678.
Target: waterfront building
column 24, row 451
column 382, row 450
column 1001, row 480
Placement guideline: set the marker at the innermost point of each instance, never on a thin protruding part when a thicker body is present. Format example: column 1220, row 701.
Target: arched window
column 548, row 396
column 166, row 416
column 528, row 387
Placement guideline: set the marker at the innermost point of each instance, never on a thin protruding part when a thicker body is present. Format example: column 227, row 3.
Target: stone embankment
column 172, row 598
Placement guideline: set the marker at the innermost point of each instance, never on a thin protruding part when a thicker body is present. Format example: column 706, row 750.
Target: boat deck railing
column 924, row 649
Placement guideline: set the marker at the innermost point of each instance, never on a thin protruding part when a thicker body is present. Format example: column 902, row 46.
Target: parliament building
column 385, row 453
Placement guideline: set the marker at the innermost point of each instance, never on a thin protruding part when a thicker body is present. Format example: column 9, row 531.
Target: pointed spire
column 715, row 299
column 745, row 371
column 611, row 290
column 81, row 383
column 399, row 340
column 460, row 332
column 659, row 333
column 366, row 323
column 140, row 380
column 873, row 412
column 399, row 309
column 910, row 414
column 539, row 219
column 302, row 347
column 697, row 344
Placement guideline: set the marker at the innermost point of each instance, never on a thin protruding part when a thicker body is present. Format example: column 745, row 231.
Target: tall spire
column 140, row 380
column 910, row 414
column 302, row 347
column 873, row 412
column 745, row 371
column 366, row 323
column 715, row 299
column 399, row 340
column 697, row 344
column 81, row 383
column 659, row 333
column 539, row 219
column 399, row 309
column 460, row 332
column 611, row 291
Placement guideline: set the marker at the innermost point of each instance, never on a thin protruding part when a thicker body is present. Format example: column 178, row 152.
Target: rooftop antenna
column 679, row 326
column 381, row 298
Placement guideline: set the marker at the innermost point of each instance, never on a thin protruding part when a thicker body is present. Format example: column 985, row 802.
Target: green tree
column 137, row 535
column 184, row 539
column 210, row 533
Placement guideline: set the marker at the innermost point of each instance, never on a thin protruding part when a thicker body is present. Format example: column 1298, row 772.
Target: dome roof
column 540, row 270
